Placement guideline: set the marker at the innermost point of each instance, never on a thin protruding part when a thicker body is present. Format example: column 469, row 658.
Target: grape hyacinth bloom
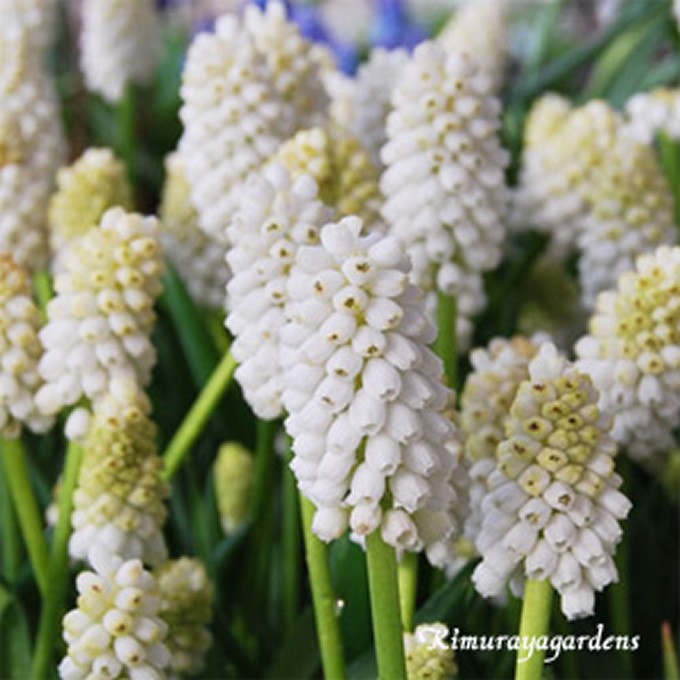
column 96, row 182
column 444, row 186
column 649, row 113
column 198, row 258
column 428, row 654
column 101, row 318
column 277, row 217
column 233, row 473
column 186, row 608
column 245, row 89
column 120, row 44
column 118, row 504
column 116, row 629
column 20, row 352
column 553, row 507
column 373, row 448
column 632, row 352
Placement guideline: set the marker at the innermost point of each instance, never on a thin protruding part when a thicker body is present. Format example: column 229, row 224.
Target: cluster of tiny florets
column 119, row 500
column 101, row 318
column 20, row 352
column 633, row 355
column 233, row 473
column 427, row 655
column 553, row 507
column 116, row 630
column 651, row 113
column 373, row 448
column 277, row 217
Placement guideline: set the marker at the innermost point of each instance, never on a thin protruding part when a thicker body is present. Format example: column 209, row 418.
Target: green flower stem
column 534, row 623
column 323, row 597
column 669, row 154
column 49, row 626
column 670, row 659
column 384, row 586
column 445, row 344
column 11, row 547
column 125, row 112
column 290, row 566
column 198, row 416
column 42, row 285
column 26, row 507
column 407, row 573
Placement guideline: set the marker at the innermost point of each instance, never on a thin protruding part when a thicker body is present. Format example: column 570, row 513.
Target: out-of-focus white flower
column 553, row 507
column 478, row 28
column 198, row 257
column 20, row 352
column 119, row 501
column 116, row 629
column 373, row 447
column 490, row 389
column 444, row 179
column 245, row 89
column 344, row 172
column 101, row 318
column 649, row 113
column 233, row 475
column 633, row 355
column 186, row 607
column 120, row 44
column 276, row 218
column 428, row 653
column 96, row 182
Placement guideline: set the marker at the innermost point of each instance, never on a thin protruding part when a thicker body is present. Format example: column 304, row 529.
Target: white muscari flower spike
column 429, row 655
column 632, row 352
column 198, row 257
column 245, row 90
column 116, row 630
column 374, row 450
column 118, row 504
column 553, row 507
column 20, row 352
column 101, row 318
column 276, row 218
column 444, row 180
column 120, row 44
column 648, row 113
column 186, row 607
column 479, row 30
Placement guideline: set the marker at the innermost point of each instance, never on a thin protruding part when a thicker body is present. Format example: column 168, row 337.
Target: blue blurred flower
column 392, row 27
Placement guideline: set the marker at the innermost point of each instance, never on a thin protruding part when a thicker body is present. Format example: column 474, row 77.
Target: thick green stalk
column 533, row 624
column 670, row 659
column 9, row 533
column 26, row 507
column 290, row 568
column 42, row 285
column 445, row 344
column 408, row 583
column 323, row 597
column 198, row 416
column 125, row 111
column 384, row 586
column 57, row 571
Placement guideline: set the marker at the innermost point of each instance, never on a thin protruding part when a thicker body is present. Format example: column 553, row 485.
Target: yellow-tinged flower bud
column 428, row 653
column 233, row 473
column 186, row 608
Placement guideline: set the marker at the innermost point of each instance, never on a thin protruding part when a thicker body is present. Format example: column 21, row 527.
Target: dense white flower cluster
column 373, row 448
column 116, row 630
column 426, row 657
column 96, row 182
column 186, row 608
column 490, row 389
column 118, row 503
column 276, row 218
column 20, row 351
column 31, row 144
column 120, row 44
column 479, row 29
column 649, row 113
column 633, row 355
column 233, row 473
column 553, row 507
column 243, row 96
column 444, row 186
column 101, row 318
column 199, row 259
column 344, row 172
column 361, row 105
